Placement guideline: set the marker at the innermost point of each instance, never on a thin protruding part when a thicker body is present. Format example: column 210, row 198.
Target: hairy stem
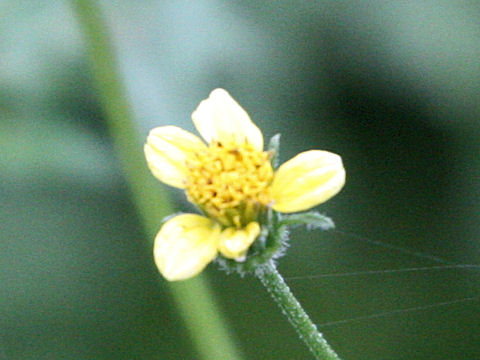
column 291, row 308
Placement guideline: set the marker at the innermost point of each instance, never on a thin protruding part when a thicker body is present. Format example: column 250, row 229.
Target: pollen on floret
column 229, row 181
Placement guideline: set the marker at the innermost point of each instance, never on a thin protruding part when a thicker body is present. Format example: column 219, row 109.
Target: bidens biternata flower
column 231, row 179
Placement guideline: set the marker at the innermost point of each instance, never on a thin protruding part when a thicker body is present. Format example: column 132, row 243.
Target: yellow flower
column 231, row 179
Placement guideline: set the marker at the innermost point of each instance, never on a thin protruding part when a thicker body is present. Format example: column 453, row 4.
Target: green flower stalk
column 244, row 199
column 204, row 322
column 291, row 308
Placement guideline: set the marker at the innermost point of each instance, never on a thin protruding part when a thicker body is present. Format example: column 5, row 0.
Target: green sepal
column 311, row 219
column 270, row 245
column 273, row 239
column 274, row 150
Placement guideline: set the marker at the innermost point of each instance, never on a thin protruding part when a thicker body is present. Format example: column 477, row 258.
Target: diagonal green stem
column 206, row 327
column 291, row 308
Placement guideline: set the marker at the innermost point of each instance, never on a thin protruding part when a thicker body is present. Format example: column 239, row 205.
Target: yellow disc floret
column 230, row 181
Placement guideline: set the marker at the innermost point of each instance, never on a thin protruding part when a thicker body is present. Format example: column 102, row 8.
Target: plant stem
column 291, row 308
column 202, row 318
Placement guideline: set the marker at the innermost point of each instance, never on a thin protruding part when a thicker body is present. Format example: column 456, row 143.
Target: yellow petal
column 234, row 242
column 308, row 179
column 221, row 118
column 167, row 150
column 185, row 245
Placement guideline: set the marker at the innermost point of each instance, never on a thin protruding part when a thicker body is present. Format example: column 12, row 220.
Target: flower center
column 230, row 182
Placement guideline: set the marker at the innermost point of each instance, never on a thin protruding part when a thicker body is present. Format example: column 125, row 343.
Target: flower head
column 231, row 179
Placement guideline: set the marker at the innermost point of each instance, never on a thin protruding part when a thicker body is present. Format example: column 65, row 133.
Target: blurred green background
column 391, row 86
